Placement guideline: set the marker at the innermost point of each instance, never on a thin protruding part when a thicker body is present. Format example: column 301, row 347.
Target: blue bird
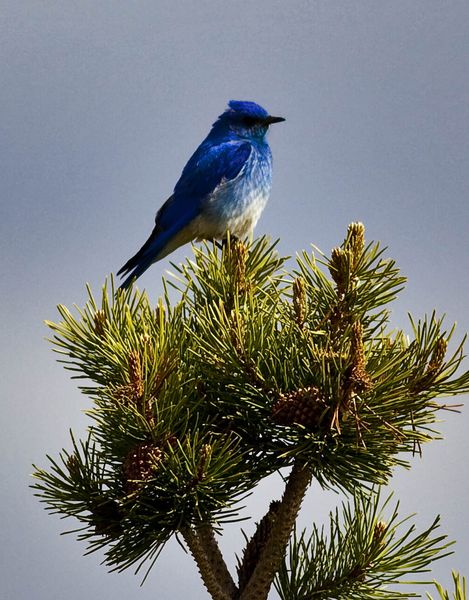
column 224, row 187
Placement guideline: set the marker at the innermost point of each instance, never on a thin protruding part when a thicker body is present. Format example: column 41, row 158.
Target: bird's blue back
column 223, row 187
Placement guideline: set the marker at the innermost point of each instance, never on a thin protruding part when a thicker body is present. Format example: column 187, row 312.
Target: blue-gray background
column 101, row 104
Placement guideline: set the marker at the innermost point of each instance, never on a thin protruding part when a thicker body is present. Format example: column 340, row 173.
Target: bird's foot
column 225, row 242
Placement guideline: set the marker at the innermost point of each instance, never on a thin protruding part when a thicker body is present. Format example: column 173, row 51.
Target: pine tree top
column 253, row 368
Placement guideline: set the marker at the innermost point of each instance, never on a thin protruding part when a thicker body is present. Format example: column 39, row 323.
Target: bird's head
column 245, row 119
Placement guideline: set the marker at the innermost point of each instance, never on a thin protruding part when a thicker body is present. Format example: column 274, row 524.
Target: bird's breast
column 236, row 204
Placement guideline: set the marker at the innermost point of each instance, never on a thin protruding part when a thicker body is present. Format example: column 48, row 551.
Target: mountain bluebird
column 224, row 187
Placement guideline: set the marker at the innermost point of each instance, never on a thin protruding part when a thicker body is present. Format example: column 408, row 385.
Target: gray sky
column 101, row 105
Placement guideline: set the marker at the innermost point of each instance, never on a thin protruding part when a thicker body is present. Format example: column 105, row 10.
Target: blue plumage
column 224, row 187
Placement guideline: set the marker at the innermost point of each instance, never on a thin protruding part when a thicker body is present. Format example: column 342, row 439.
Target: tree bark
column 209, row 578
column 274, row 551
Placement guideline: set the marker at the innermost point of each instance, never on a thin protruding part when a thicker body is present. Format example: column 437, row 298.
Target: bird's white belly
column 239, row 218
column 235, row 205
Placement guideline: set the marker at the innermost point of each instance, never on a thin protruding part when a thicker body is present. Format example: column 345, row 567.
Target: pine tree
column 253, row 370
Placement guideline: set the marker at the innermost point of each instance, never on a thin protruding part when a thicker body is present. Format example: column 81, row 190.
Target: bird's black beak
column 269, row 120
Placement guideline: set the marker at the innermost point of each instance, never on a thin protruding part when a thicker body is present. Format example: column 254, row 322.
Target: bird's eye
column 249, row 121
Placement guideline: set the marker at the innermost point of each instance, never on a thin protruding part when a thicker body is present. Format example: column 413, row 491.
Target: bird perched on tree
column 224, row 187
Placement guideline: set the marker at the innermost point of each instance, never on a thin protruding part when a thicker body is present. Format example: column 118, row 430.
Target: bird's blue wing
column 206, row 169
column 209, row 166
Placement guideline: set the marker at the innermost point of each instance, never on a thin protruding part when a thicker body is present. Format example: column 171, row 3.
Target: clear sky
column 101, row 104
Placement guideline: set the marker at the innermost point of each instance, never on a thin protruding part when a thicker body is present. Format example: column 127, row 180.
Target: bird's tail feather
column 146, row 256
column 136, row 272
column 157, row 246
column 136, row 258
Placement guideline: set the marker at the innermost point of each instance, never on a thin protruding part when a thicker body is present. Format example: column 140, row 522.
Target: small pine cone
column 205, row 455
column 239, row 253
column 356, row 242
column 423, row 382
column 299, row 301
column 438, row 356
column 358, row 379
column 99, row 319
column 123, row 393
column 305, row 407
column 136, row 374
column 379, row 532
column 74, row 466
column 140, row 464
column 339, row 268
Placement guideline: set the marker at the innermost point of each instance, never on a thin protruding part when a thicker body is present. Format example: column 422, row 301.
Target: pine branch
column 214, row 586
column 255, row 546
column 364, row 553
column 215, row 558
column 274, row 550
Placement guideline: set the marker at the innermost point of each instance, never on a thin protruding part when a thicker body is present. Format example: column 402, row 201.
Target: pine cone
column 305, row 407
column 140, row 464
